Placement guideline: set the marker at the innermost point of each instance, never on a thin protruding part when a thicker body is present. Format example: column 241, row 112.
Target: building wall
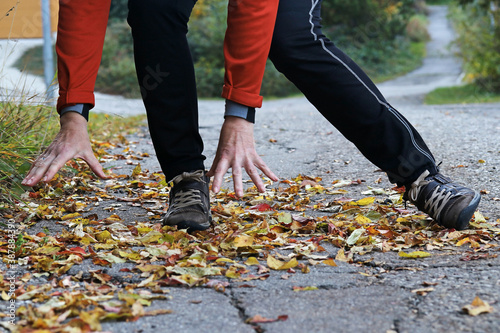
column 23, row 18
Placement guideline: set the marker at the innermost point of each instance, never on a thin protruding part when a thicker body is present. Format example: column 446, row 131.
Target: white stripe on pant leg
column 391, row 110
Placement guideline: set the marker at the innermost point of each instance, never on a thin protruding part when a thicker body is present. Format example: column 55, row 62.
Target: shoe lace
column 417, row 185
column 438, row 199
column 187, row 197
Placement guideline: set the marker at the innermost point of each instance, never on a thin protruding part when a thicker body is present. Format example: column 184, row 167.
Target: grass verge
column 466, row 94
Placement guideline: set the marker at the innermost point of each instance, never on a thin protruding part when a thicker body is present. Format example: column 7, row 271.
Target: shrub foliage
column 478, row 27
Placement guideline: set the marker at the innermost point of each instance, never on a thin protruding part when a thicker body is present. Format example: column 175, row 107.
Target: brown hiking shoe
column 449, row 204
column 189, row 202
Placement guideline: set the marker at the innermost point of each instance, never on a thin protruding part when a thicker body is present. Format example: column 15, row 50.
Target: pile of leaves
column 284, row 229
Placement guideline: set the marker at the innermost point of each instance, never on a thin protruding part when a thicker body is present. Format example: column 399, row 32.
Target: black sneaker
column 448, row 203
column 189, row 202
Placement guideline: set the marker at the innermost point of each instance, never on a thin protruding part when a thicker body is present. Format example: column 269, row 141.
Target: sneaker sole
column 466, row 214
column 193, row 226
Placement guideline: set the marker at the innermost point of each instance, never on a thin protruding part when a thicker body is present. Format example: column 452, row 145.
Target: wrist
column 69, row 119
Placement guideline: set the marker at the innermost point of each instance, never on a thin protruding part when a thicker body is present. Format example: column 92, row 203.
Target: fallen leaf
column 422, row 291
column 355, row 236
column 258, row 319
column 276, row 264
column 251, row 261
column 309, row 288
column 477, row 307
column 414, row 254
column 329, row 262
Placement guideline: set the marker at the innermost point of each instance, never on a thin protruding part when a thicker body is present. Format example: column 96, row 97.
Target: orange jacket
column 80, row 37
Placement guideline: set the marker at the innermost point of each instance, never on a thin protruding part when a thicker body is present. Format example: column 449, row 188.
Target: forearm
column 80, row 37
column 246, row 48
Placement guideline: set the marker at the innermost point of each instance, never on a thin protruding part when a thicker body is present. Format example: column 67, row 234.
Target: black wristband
column 82, row 109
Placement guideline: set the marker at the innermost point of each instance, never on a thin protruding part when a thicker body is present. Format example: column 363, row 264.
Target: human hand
column 72, row 141
column 236, row 150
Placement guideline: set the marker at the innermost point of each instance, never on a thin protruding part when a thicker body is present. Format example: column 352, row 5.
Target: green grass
column 467, row 94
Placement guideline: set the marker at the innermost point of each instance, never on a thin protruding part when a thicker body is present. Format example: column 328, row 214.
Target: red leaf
column 261, row 207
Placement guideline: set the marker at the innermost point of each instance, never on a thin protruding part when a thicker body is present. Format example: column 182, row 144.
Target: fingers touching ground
column 236, row 150
column 71, row 142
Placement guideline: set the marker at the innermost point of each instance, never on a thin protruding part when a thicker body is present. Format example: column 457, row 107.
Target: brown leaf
column 258, row 319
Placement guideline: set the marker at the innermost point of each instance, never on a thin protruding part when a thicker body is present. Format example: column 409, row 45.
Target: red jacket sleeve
column 80, row 37
column 250, row 26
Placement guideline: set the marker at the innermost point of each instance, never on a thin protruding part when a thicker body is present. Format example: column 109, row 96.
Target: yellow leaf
column 132, row 256
column 243, row 241
column 232, row 273
column 50, row 250
column 477, row 307
column 329, row 262
column 150, row 237
column 70, row 216
column 276, row 264
column 364, row 202
column 103, row 236
column 137, row 170
column 361, row 219
column 414, row 254
column 251, row 261
column 482, row 161
column 225, row 260
column 463, row 241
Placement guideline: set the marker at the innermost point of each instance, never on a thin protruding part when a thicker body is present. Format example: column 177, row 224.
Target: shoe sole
column 193, row 226
column 466, row 214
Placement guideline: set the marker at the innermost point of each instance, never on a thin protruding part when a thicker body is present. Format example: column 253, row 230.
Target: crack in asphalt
column 237, row 304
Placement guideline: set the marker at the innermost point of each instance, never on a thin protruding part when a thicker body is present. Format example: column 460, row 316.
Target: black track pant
column 329, row 79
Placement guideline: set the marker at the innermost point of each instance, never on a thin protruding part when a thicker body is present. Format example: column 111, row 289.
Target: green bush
column 368, row 20
column 416, row 29
column 478, row 28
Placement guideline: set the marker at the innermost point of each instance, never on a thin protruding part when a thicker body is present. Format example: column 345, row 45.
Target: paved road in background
column 294, row 138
